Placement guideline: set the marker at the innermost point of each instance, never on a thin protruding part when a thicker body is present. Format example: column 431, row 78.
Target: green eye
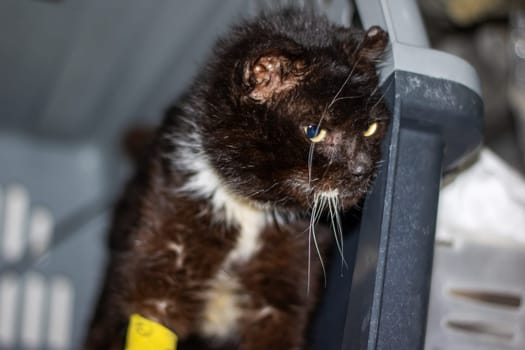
column 371, row 130
column 314, row 133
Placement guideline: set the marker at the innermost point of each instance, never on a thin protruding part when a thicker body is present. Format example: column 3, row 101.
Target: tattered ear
column 373, row 44
column 271, row 74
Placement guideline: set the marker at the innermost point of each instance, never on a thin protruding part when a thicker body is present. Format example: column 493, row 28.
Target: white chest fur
column 227, row 208
column 225, row 297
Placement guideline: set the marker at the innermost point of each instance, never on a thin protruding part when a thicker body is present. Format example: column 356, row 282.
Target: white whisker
column 372, row 94
column 344, row 84
column 320, row 256
column 264, row 190
column 310, row 161
column 317, row 210
column 339, row 229
column 326, row 199
column 346, row 98
column 309, row 258
column 380, row 98
column 333, row 212
column 335, row 98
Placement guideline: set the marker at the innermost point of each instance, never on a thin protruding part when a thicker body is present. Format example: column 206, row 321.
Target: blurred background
column 77, row 75
column 490, row 35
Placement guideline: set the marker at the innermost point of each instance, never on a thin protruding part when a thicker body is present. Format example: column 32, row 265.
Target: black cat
column 210, row 239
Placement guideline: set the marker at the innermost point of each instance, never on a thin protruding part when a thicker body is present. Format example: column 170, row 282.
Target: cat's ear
column 271, row 74
column 373, row 44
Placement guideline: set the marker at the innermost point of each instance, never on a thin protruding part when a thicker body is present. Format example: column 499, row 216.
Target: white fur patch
column 265, row 312
column 162, row 306
column 225, row 298
column 250, row 221
column 223, row 307
column 179, row 250
column 204, row 182
column 227, row 207
column 330, row 194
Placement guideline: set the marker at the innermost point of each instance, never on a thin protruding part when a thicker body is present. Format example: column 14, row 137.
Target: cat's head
column 292, row 110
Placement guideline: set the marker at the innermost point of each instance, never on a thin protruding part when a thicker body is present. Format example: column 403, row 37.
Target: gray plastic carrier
column 75, row 73
column 436, row 124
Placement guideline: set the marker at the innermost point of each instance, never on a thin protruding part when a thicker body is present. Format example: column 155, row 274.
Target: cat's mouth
column 348, row 192
column 345, row 192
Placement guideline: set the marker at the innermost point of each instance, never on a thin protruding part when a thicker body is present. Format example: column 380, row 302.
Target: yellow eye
column 371, row 130
column 314, row 133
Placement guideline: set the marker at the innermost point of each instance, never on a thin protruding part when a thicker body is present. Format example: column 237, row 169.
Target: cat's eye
column 371, row 130
column 314, row 133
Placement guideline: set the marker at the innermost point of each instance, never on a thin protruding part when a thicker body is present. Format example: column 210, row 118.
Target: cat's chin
column 343, row 193
column 341, row 200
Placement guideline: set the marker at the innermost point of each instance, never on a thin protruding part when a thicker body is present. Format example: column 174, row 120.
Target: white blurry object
column 485, row 202
column 478, row 285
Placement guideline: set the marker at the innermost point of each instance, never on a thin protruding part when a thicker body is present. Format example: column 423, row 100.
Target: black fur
column 244, row 121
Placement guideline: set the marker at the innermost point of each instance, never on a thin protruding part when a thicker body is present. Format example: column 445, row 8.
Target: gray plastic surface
column 68, row 182
column 409, row 43
column 436, row 122
column 80, row 70
column 75, row 74
column 338, row 11
column 471, row 322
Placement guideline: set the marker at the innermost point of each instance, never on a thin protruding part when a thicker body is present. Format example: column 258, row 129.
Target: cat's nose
column 360, row 165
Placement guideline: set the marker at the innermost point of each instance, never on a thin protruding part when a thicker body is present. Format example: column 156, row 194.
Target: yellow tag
column 144, row 334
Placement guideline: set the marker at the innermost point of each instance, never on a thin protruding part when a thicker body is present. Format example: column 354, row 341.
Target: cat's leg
column 135, row 289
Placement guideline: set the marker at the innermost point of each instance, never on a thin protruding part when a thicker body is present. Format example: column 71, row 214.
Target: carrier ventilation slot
column 501, row 299
column 499, row 331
